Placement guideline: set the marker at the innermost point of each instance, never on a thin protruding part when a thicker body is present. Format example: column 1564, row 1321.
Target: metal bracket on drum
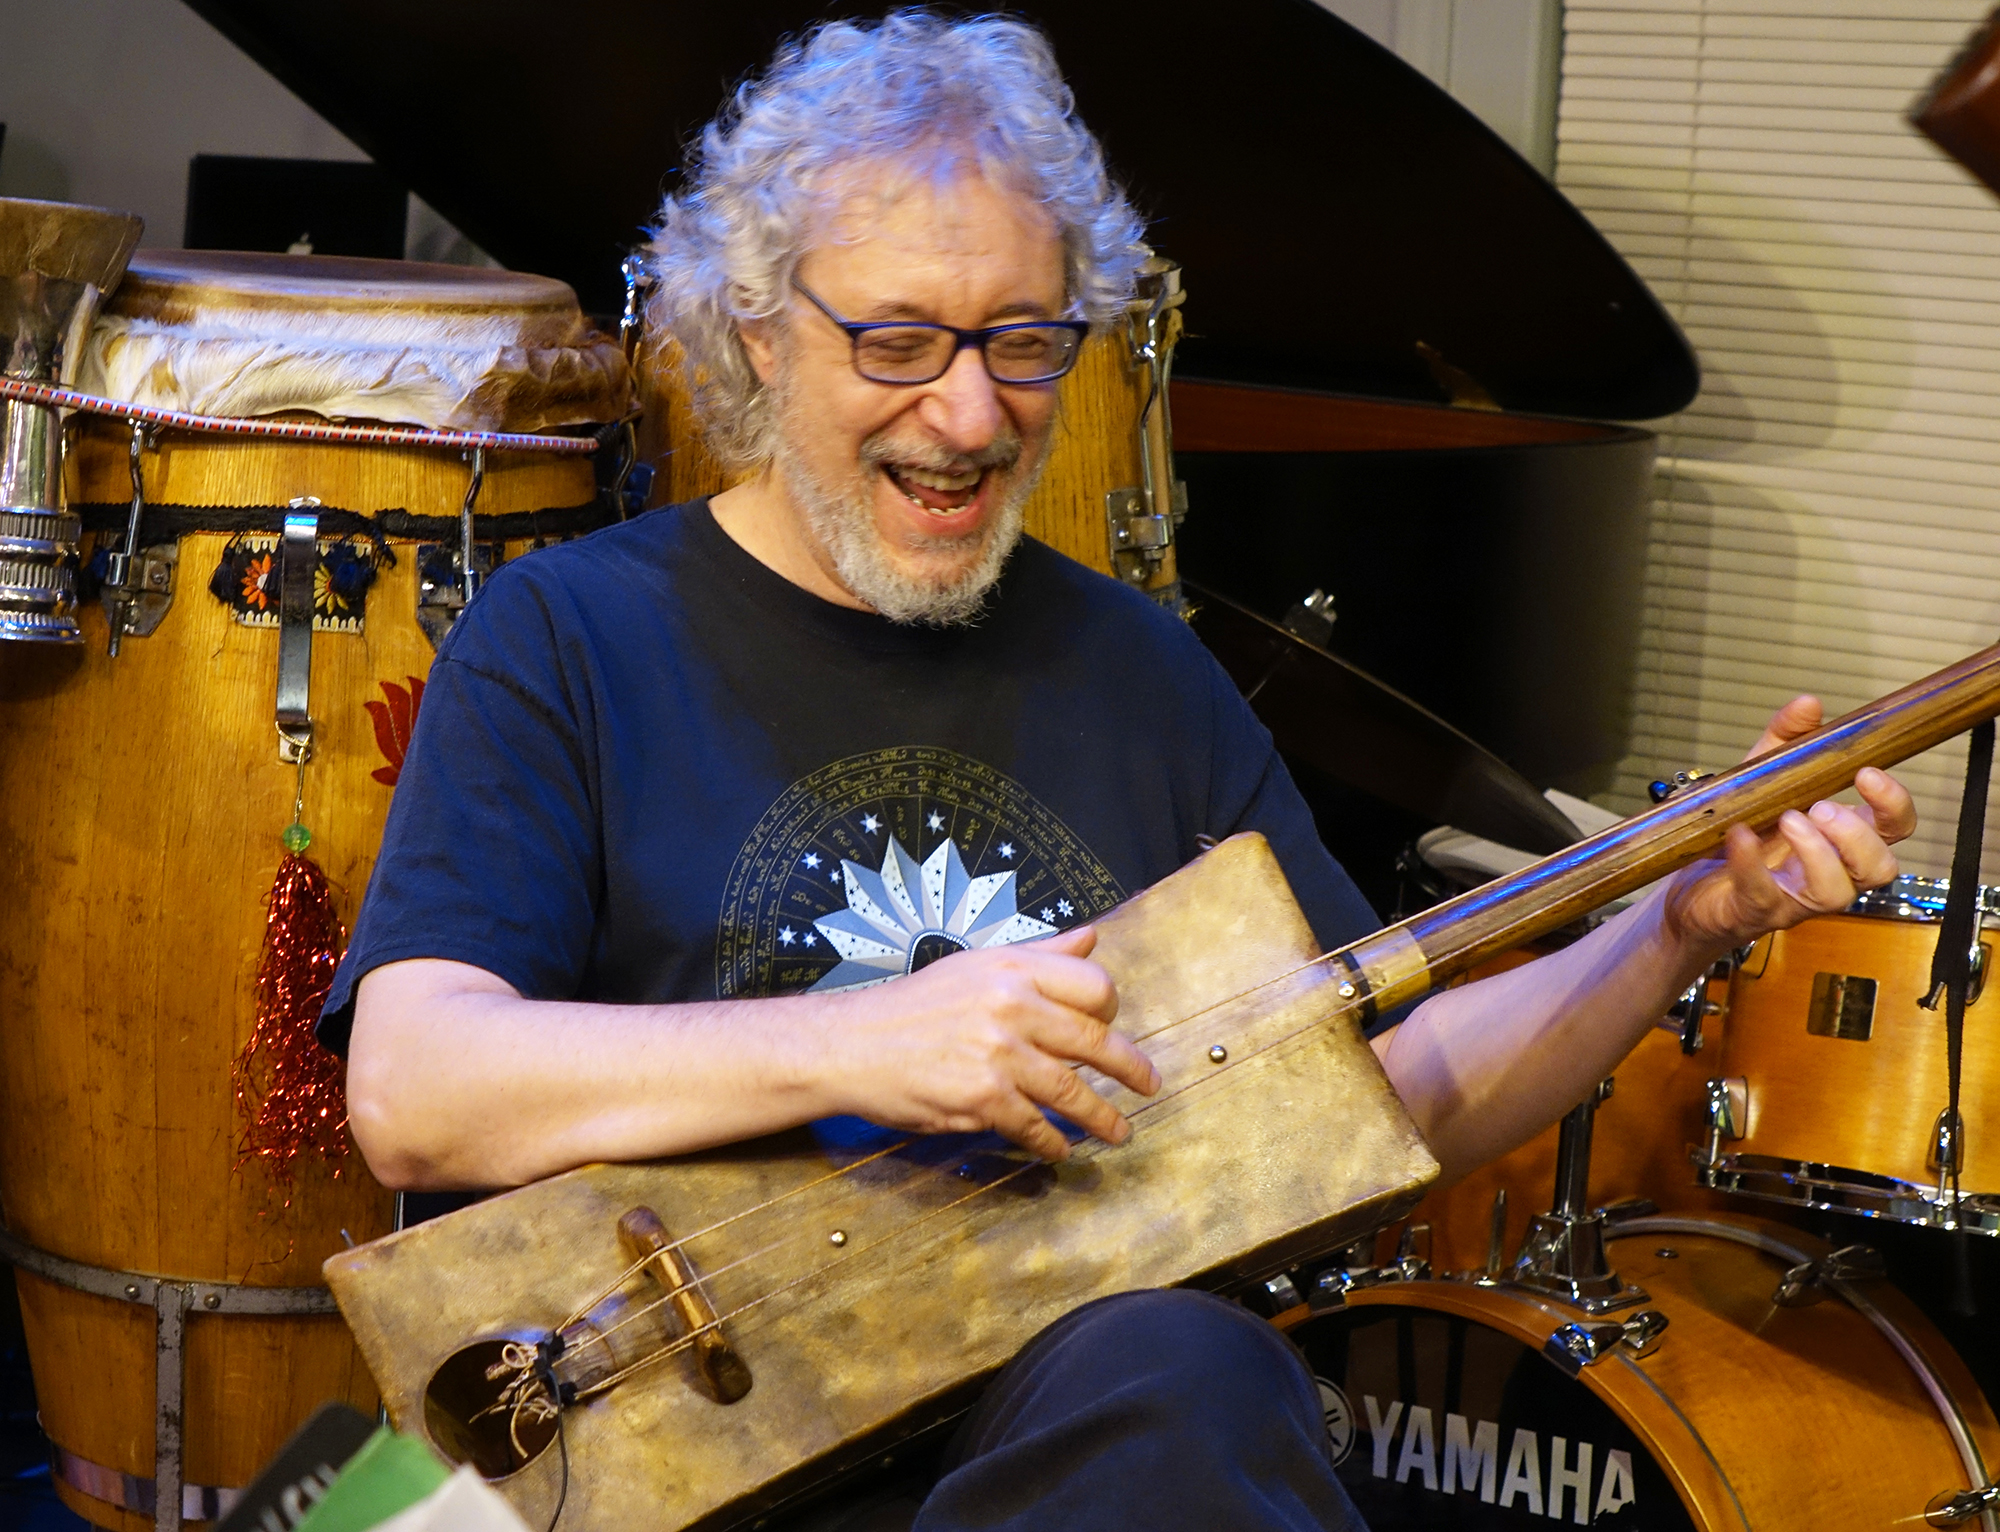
column 1574, row 1347
column 138, row 581
column 448, row 578
column 1330, row 1288
column 1140, row 520
column 1563, row 1256
column 164, row 1497
column 298, row 563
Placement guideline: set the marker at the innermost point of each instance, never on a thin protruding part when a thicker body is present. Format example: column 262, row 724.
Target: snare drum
column 145, row 799
column 1455, row 1405
column 1832, row 1082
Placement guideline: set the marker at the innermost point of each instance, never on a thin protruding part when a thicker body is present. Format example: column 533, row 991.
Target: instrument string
column 680, row 1242
column 1085, row 1152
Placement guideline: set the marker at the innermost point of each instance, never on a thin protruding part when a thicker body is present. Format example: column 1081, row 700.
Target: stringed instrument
column 693, row 1343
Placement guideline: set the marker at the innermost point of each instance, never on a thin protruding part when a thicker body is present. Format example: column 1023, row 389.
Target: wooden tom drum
column 1832, row 1082
column 145, row 803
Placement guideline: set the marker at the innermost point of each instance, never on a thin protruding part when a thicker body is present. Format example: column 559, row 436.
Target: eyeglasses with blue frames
column 908, row 351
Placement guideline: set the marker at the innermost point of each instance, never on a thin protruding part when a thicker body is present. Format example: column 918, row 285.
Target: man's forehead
column 885, row 223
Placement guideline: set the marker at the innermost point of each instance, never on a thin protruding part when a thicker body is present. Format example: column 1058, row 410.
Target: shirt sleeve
column 491, row 855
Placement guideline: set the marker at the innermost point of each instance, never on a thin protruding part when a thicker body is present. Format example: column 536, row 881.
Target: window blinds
column 1828, row 510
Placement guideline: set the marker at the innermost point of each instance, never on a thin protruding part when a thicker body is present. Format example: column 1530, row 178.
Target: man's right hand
column 984, row 1040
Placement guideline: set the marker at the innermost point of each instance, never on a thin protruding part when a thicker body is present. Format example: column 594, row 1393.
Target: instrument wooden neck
column 1430, row 948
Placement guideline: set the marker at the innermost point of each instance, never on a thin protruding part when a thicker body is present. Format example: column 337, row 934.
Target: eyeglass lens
column 1028, row 353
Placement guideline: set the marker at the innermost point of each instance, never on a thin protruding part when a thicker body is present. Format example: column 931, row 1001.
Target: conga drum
column 1760, row 1388
column 146, row 800
column 1107, row 497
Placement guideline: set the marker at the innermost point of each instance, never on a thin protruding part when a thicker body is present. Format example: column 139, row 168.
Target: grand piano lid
column 1332, row 207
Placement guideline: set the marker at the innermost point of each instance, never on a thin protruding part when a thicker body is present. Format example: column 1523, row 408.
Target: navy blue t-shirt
column 647, row 768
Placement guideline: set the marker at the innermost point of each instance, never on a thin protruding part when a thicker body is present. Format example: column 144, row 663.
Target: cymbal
column 1335, row 716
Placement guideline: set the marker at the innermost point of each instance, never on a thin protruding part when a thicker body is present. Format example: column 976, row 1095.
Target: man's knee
column 1207, row 1353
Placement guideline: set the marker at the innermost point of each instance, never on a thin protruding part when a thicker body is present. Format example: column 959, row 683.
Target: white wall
column 1501, row 58
column 106, row 101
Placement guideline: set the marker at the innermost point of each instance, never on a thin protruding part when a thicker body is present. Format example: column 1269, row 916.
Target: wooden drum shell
column 1869, row 1105
column 145, row 800
column 1744, row 1405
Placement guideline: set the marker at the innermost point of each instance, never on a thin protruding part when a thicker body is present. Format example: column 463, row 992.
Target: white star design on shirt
column 1048, row 914
column 1065, row 907
column 786, row 936
column 1007, row 850
column 936, row 821
column 810, row 860
column 834, row 876
column 870, row 824
column 811, row 940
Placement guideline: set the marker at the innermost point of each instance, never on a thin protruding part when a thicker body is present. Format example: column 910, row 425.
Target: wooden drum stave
column 148, row 799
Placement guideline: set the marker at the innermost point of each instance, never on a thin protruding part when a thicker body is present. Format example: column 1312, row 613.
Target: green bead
column 297, row 836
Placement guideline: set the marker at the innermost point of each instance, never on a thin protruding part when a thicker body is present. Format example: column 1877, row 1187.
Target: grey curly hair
column 917, row 88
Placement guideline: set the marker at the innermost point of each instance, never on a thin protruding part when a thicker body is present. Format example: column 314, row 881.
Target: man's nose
column 963, row 406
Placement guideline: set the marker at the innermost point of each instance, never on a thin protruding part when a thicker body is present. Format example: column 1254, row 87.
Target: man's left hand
column 1810, row 864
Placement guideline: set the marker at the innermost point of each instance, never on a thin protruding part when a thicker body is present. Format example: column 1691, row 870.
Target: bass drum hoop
column 1665, row 1431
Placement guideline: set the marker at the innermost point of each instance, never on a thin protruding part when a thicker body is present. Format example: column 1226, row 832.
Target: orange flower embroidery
column 394, row 719
column 255, row 574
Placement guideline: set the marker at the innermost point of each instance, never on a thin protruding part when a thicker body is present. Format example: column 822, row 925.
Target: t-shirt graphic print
column 880, row 863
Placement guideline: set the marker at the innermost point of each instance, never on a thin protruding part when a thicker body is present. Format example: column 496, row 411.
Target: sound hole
column 470, row 1420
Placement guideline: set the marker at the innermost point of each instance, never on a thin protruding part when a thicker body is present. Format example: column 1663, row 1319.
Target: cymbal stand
column 1563, row 1255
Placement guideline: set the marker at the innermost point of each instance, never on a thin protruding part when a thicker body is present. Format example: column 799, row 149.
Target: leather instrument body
column 871, row 1297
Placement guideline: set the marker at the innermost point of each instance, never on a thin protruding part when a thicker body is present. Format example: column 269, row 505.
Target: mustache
column 1004, row 451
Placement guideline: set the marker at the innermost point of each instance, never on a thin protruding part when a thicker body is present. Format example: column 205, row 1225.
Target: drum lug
column 1955, row 1508
column 1728, row 1115
column 1332, row 1287
column 441, row 584
column 1574, row 1347
column 139, row 591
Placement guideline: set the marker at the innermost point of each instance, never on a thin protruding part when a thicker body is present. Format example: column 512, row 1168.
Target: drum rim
column 1834, row 1188
column 1918, row 899
column 1706, row 1493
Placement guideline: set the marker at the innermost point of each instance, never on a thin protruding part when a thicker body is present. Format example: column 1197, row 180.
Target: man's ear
column 760, row 345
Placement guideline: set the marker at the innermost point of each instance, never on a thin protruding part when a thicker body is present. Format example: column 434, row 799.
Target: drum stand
column 1563, row 1255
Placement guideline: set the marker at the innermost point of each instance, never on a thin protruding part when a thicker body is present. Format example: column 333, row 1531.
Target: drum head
column 452, row 347
column 1440, row 1422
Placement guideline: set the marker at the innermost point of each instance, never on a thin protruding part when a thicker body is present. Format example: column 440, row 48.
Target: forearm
column 1484, row 1067
column 456, row 1081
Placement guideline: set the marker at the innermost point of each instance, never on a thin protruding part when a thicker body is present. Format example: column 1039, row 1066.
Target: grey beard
column 843, row 522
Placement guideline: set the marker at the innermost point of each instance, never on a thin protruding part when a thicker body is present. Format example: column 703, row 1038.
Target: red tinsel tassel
column 289, row 1088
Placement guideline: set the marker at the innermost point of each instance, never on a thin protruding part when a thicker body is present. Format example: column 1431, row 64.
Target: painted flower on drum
column 906, row 915
column 394, row 721
column 256, row 583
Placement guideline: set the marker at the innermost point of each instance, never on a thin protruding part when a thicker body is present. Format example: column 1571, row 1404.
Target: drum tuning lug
column 1728, row 1115
column 1283, row 1292
column 1312, row 619
column 441, row 586
column 1956, row 1507
column 1687, row 1014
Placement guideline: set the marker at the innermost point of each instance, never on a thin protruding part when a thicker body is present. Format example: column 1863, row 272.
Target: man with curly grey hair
column 792, row 807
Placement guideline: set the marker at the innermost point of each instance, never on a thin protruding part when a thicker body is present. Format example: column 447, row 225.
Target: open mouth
column 935, row 491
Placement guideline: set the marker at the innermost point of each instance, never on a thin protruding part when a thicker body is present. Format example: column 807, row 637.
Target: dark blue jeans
column 1157, row 1411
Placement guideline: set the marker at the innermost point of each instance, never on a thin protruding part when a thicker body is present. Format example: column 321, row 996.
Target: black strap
column 166, row 523
column 1951, row 964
